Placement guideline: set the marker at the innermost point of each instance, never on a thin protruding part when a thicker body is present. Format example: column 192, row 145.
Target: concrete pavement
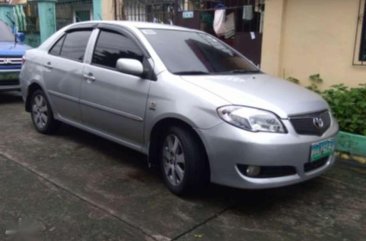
column 76, row 186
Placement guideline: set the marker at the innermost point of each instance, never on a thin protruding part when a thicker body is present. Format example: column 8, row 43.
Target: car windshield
column 196, row 53
column 6, row 34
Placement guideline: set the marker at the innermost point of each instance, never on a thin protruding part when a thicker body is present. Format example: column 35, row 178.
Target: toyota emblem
column 318, row 122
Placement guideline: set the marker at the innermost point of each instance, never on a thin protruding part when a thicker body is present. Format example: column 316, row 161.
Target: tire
column 183, row 162
column 41, row 113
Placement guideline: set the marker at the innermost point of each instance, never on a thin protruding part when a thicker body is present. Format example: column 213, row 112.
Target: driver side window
column 112, row 46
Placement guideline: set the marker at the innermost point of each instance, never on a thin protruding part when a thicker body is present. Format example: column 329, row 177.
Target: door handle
column 89, row 77
column 48, row 65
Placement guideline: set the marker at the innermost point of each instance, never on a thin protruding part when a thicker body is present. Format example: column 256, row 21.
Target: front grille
column 310, row 166
column 9, row 82
column 9, row 61
column 11, row 67
column 306, row 124
column 270, row 171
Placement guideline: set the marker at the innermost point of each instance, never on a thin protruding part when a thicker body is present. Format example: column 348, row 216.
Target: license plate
column 9, row 76
column 322, row 149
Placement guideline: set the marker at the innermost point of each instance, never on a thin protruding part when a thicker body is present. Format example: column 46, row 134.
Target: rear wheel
column 41, row 113
column 183, row 161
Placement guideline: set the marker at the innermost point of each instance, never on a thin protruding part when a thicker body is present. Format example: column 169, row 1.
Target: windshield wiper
column 193, row 72
column 244, row 71
column 241, row 71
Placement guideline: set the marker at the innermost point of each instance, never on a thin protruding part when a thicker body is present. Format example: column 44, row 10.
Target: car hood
column 12, row 49
column 261, row 91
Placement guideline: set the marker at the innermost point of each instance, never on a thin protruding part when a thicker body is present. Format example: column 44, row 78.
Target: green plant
column 293, row 80
column 315, row 81
column 348, row 106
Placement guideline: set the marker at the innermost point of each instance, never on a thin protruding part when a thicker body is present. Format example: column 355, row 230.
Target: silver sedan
column 195, row 106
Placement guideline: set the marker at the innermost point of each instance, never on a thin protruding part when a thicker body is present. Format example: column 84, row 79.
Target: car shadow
column 255, row 200
column 10, row 97
column 104, row 146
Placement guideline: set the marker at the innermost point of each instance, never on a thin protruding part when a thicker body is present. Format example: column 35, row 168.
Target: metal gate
column 248, row 18
column 70, row 11
column 199, row 14
column 158, row 11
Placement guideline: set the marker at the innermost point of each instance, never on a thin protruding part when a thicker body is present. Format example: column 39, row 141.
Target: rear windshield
column 5, row 33
column 190, row 52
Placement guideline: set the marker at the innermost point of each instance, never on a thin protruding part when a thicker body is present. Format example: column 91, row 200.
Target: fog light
column 253, row 171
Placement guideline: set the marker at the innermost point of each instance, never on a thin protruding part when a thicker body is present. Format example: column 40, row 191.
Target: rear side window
column 73, row 45
column 56, row 49
column 111, row 46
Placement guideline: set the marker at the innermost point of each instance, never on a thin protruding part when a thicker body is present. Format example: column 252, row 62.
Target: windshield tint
column 5, row 33
column 188, row 52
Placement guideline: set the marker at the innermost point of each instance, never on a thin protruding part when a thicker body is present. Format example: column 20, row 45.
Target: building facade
column 246, row 17
column 287, row 38
column 44, row 17
column 305, row 37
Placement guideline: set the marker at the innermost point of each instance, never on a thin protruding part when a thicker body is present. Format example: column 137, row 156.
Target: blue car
column 11, row 54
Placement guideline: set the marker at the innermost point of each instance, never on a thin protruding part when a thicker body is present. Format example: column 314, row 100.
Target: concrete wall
column 305, row 37
column 6, row 10
column 108, row 9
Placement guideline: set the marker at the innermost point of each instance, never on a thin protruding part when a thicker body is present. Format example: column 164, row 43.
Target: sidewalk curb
column 351, row 162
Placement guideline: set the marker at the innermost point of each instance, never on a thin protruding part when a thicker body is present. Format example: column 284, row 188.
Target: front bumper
column 228, row 147
column 9, row 80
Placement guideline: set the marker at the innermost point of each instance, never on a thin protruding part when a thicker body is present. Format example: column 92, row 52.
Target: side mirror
column 130, row 66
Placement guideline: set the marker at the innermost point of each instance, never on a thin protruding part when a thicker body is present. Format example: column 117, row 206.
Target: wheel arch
column 157, row 133
column 30, row 90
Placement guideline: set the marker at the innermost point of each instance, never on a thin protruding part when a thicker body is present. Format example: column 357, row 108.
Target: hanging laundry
column 20, row 19
column 248, row 12
column 219, row 22
column 230, row 26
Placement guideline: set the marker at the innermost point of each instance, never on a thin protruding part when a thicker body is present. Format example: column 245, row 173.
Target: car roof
column 132, row 24
column 95, row 23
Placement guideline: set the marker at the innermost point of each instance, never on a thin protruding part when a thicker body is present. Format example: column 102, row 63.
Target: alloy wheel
column 173, row 160
column 40, row 111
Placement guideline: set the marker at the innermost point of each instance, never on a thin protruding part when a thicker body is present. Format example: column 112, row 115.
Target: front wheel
column 183, row 161
column 41, row 113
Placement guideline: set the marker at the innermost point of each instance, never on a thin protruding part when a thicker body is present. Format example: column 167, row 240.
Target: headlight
column 251, row 119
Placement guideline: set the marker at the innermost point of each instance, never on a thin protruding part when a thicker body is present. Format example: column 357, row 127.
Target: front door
column 112, row 102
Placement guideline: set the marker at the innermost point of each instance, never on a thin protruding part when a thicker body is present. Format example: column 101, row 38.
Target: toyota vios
column 194, row 105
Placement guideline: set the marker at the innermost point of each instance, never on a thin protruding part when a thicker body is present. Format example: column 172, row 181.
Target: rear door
column 112, row 102
column 63, row 73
